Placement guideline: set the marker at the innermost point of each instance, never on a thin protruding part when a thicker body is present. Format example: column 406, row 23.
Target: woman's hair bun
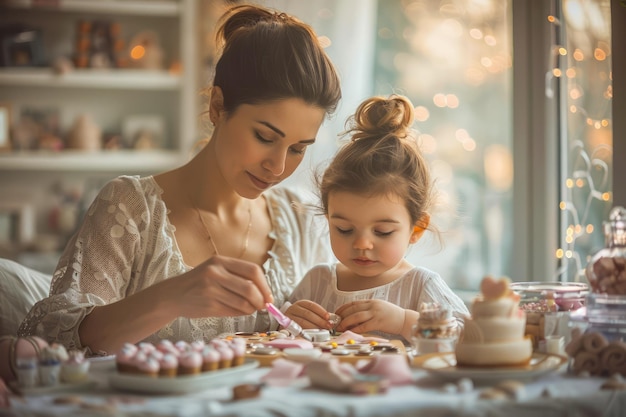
column 379, row 117
column 247, row 15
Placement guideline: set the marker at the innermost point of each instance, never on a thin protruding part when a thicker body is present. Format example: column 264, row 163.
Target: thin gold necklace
column 208, row 231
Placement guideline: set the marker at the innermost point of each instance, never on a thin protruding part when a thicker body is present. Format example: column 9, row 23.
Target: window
column 513, row 103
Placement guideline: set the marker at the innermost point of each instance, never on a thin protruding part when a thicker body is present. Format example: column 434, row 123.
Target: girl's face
column 369, row 234
column 258, row 146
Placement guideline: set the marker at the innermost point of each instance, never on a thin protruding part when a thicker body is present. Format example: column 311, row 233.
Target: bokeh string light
column 586, row 196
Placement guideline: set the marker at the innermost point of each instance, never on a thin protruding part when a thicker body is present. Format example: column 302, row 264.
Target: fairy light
column 421, row 114
column 581, row 60
column 137, row 52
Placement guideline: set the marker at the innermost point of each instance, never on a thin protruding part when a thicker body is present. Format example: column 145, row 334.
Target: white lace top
column 126, row 244
column 408, row 291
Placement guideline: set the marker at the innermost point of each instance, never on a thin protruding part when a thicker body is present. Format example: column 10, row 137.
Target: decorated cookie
column 493, row 289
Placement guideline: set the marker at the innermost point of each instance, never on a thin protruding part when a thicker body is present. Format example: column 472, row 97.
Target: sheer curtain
column 349, row 28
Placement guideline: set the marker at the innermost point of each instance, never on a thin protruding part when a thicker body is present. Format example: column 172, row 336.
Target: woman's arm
column 219, row 287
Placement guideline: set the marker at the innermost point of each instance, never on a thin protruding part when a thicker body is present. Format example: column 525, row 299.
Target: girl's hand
column 364, row 316
column 221, row 287
column 309, row 315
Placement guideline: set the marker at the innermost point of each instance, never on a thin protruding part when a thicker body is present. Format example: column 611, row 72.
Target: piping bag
column 289, row 325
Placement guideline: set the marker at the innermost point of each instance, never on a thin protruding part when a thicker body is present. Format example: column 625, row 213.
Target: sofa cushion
column 20, row 289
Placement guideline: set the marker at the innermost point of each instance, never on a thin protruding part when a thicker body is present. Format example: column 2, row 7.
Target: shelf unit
column 40, row 182
column 107, row 94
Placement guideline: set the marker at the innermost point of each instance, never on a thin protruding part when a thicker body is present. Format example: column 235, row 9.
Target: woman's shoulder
column 128, row 185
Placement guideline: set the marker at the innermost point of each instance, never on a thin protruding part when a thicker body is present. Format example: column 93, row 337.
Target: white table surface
column 569, row 396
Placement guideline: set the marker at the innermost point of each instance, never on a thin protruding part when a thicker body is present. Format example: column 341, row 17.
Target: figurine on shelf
column 85, row 134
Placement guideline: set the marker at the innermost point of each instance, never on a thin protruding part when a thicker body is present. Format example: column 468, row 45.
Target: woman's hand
column 218, row 287
column 309, row 315
column 221, row 287
column 364, row 316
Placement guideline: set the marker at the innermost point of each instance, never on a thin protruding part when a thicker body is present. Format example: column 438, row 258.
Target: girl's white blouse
column 409, row 291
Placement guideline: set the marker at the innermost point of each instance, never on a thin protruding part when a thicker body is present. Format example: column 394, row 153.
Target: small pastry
column 76, row 368
column 210, row 359
column 197, row 345
column 238, row 347
column 124, row 358
column 148, row 367
column 168, row 365
column 190, row 363
column 226, row 356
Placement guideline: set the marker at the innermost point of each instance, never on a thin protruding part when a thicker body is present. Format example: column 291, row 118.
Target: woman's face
column 258, row 146
column 369, row 234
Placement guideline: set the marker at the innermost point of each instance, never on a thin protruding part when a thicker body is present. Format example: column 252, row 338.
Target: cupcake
column 168, row 365
column 75, row 368
column 238, row 347
column 210, row 359
column 156, row 355
column 197, row 345
column 124, row 358
column 146, row 365
column 182, row 346
column 226, row 356
column 190, row 363
column 166, row 346
column 146, row 347
column 218, row 343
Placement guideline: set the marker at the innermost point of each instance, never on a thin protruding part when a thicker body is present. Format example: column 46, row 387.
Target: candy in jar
column 606, row 270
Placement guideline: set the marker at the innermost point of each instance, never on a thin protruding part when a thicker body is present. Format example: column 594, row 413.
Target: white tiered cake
column 494, row 335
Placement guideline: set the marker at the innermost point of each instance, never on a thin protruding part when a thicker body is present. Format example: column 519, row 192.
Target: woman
column 197, row 251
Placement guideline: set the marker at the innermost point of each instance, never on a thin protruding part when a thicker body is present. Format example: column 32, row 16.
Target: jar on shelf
column 548, row 307
column 606, row 271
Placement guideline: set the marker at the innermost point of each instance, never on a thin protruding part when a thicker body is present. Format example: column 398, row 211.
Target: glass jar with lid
column 548, row 307
column 606, row 271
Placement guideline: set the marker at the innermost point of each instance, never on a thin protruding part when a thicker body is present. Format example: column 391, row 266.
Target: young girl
column 376, row 195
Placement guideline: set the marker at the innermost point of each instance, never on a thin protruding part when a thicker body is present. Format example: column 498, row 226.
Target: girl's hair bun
column 380, row 117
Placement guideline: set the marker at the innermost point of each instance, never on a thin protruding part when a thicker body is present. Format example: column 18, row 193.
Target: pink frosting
column 148, row 365
column 191, row 359
column 289, row 343
column 168, row 361
column 226, row 353
column 126, row 353
column 146, row 347
column 239, row 349
column 139, row 358
column 218, row 342
column 197, row 345
column 182, row 346
column 210, row 354
column 165, row 346
column 157, row 354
